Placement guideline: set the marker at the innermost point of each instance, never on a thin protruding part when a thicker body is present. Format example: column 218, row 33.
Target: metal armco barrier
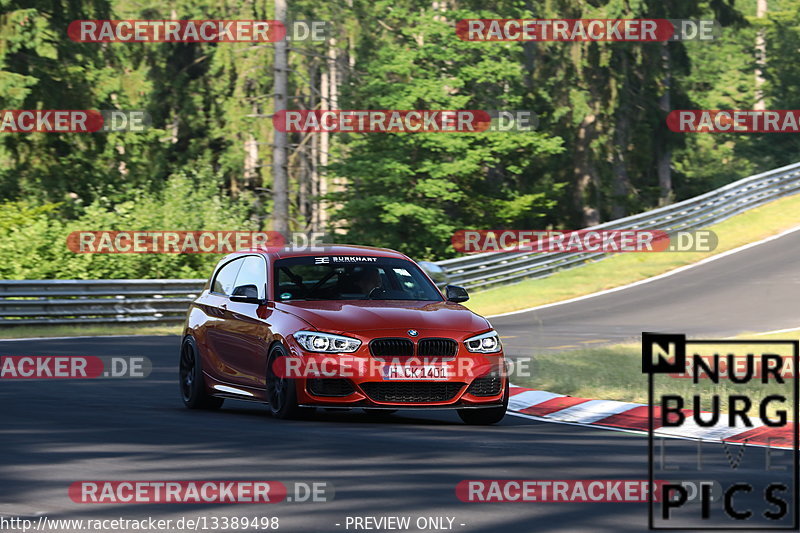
column 496, row 268
column 166, row 300
column 96, row 301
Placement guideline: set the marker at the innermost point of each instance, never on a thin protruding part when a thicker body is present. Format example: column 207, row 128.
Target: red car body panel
column 234, row 338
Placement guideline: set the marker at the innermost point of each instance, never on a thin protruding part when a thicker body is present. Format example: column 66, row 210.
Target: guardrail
column 24, row 302
column 495, row 268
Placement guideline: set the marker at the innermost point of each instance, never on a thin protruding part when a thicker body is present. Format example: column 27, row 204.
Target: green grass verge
column 625, row 268
column 614, row 372
column 19, row 332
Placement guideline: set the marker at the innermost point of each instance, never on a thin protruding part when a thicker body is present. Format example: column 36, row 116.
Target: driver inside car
column 367, row 279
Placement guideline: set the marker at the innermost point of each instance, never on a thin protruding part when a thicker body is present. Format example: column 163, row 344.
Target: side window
column 253, row 272
column 223, row 281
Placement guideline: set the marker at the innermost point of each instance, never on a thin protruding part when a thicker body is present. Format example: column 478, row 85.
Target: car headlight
column 316, row 341
column 488, row 342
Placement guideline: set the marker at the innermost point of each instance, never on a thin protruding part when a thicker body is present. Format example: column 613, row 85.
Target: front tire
column 190, row 378
column 281, row 391
column 485, row 417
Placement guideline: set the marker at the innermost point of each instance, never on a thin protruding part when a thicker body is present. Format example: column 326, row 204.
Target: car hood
column 362, row 315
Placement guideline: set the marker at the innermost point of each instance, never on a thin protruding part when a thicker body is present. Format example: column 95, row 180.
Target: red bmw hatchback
column 349, row 326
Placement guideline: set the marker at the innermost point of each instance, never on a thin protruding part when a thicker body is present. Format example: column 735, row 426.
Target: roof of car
column 326, row 249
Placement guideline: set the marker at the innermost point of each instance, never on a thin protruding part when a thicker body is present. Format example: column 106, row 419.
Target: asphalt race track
column 53, row 433
column 754, row 290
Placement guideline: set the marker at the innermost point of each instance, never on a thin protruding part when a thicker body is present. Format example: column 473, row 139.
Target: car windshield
column 331, row 277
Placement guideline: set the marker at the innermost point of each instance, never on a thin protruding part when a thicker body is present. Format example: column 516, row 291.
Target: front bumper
column 360, row 379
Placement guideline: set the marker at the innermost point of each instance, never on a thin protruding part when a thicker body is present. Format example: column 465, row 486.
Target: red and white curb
column 624, row 416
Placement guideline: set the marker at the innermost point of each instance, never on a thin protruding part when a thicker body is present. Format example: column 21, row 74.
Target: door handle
column 224, row 306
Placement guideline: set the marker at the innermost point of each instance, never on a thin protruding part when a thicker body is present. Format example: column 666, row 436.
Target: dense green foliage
column 601, row 150
column 35, row 235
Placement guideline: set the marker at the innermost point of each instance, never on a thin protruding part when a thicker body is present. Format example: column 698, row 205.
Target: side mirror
column 247, row 294
column 456, row 294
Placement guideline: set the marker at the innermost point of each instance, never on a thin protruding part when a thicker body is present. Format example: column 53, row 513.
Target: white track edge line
column 654, row 278
column 773, row 332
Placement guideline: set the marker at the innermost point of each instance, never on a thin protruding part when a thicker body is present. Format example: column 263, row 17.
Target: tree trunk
column 324, row 146
column 761, row 57
column 251, row 161
column 333, row 68
column 584, row 172
column 313, row 185
column 621, row 184
column 280, row 178
column 303, row 185
column 664, row 152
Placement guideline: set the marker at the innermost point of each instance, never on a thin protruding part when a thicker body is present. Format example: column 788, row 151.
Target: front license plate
column 424, row 372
